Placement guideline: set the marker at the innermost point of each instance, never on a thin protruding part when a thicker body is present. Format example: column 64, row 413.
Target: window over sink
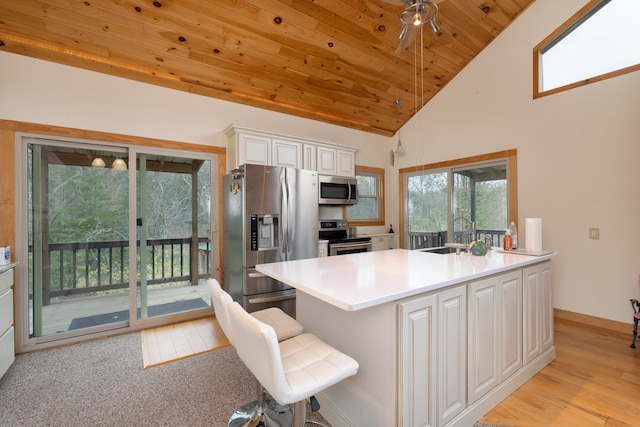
column 435, row 198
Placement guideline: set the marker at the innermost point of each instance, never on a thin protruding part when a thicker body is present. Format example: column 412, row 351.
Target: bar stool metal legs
column 262, row 413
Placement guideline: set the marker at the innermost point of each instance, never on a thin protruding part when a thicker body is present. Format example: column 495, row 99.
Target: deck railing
column 89, row 267
column 434, row 239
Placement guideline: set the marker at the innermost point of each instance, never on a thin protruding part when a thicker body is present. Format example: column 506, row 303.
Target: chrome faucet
column 468, row 221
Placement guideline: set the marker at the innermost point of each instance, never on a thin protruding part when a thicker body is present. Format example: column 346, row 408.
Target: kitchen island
column 441, row 339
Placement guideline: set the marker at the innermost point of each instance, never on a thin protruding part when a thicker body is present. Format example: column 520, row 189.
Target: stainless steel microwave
column 337, row 190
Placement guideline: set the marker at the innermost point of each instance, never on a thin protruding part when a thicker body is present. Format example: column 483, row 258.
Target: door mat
column 166, row 344
column 153, row 311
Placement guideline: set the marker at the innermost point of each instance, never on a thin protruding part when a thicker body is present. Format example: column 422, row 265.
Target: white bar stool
column 292, row 370
column 263, row 411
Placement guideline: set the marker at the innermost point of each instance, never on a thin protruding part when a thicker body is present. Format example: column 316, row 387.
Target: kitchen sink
column 441, row 250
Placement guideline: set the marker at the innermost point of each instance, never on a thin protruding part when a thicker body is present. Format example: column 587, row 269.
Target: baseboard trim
column 486, row 403
column 331, row 414
column 597, row 322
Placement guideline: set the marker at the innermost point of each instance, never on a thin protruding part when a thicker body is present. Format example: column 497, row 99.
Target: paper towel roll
column 533, row 234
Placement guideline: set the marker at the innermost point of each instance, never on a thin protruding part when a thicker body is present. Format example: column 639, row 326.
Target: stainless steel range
column 336, row 231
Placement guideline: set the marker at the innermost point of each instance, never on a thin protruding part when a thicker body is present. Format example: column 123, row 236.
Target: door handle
column 256, row 275
column 259, row 300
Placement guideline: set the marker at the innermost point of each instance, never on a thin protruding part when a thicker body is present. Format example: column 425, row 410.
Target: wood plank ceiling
column 327, row 60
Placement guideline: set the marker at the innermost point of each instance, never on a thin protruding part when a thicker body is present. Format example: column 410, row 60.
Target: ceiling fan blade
column 408, row 39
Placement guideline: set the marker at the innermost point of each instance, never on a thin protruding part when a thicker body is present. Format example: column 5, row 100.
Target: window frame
column 379, row 174
column 576, row 20
column 511, row 156
column 11, row 182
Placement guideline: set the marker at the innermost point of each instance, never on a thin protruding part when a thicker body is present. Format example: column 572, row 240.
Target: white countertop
column 362, row 280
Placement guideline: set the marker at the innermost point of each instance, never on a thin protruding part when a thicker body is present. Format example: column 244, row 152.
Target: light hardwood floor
column 594, row 381
column 169, row 343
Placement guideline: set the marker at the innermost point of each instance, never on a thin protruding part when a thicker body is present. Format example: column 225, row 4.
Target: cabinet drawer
column 7, row 355
column 6, row 280
column 6, row 310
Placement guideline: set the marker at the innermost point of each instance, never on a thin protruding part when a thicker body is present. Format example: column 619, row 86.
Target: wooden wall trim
column 597, row 322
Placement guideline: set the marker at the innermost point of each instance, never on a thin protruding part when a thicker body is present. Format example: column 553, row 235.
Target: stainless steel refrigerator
column 270, row 215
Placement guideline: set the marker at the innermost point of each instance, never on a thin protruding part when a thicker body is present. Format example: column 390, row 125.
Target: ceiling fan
column 415, row 14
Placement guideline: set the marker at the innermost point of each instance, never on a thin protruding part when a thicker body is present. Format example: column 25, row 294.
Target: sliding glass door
column 112, row 236
column 173, row 222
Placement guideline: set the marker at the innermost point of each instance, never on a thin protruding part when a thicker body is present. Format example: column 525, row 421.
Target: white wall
column 48, row 93
column 577, row 155
column 576, row 150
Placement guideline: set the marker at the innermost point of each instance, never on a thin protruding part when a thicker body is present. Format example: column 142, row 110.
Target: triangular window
column 601, row 41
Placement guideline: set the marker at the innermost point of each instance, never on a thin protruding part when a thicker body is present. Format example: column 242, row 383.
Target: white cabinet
column 323, row 248
column 537, row 310
column 432, row 368
column 286, row 153
column 253, row 149
column 494, row 332
column 253, row 146
column 333, row 161
column 452, row 353
column 7, row 343
column 382, row 242
column 309, row 157
column 417, row 374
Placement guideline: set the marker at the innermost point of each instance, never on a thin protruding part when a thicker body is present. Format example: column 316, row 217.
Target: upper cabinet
column 253, row 149
column 286, row 153
column 265, row 148
column 335, row 161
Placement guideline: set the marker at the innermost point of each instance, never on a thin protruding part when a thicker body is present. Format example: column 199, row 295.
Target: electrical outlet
column 594, row 234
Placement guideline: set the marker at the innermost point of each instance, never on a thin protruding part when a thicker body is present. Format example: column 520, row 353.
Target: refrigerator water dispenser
column 264, row 232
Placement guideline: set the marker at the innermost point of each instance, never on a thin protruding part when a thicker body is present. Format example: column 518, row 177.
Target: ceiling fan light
column 417, row 19
column 403, row 32
column 434, row 27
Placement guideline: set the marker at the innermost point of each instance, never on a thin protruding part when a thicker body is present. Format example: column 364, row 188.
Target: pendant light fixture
column 120, row 164
column 399, row 149
column 98, row 163
column 413, row 18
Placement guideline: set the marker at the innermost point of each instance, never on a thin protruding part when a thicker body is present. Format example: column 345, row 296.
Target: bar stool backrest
column 221, row 301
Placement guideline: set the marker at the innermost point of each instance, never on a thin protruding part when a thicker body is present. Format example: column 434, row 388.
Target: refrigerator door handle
column 286, row 206
column 259, row 300
column 256, row 275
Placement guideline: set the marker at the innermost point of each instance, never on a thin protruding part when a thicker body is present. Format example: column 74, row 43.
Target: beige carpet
column 167, row 344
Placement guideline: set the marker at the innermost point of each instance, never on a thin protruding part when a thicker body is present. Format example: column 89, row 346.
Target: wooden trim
column 462, row 161
column 551, row 38
column 401, row 210
column 512, row 179
column 8, row 130
column 381, row 220
column 597, row 322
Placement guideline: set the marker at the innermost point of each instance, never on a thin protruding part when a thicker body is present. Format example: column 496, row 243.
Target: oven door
column 349, row 248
